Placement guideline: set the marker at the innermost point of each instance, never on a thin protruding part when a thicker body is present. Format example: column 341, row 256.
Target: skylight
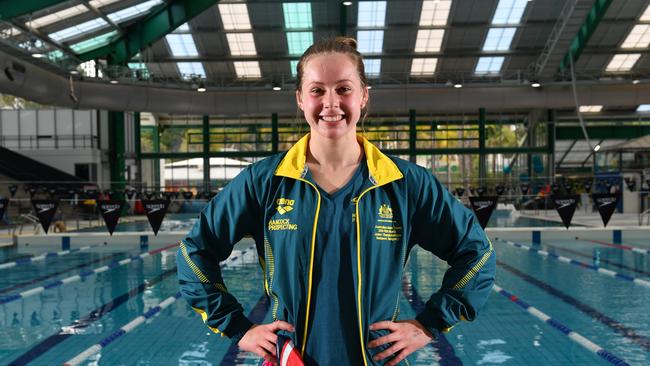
column 371, row 14
column 294, row 68
column 423, row 66
column 590, row 108
column 639, row 37
column 489, row 65
column 622, row 62
column 182, row 28
column 297, row 15
column 247, row 69
column 234, row 16
column 509, row 11
column 645, row 17
column 372, row 66
column 92, row 43
column 370, row 41
column 133, row 11
column 78, row 30
column 57, row 17
column 181, row 45
column 435, row 13
column 499, row 39
column 99, row 3
column 241, row 44
column 298, row 42
column 429, row 40
column 643, row 108
column 191, row 69
column 90, row 69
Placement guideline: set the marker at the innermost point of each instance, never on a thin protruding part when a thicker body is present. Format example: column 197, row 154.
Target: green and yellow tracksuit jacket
column 400, row 206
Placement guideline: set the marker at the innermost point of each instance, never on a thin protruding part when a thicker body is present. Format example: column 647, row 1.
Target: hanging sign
column 45, row 210
column 111, row 211
column 130, row 193
column 566, row 207
column 588, row 184
column 4, row 203
column 155, row 210
column 481, row 191
column 499, row 189
column 630, row 183
column 555, row 188
column 188, row 195
column 483, row 208
column 12, row 190
column 525, row 187
column 606, row 203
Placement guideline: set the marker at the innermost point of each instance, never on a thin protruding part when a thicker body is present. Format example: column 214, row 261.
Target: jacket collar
column 381, row 168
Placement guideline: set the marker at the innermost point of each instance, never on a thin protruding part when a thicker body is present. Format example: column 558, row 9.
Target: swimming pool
column 55, row 325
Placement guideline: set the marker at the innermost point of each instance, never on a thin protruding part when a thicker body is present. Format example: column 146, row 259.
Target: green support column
column 481, row 145
column 550, row 142
column 206, row 153
column 138, row 146
column 275, row 136
column 116, row 148
column 156, row 161
column 343, row 20
column 412, row 135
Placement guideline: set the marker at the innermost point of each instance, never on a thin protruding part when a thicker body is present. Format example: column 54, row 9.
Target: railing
column 50, row 142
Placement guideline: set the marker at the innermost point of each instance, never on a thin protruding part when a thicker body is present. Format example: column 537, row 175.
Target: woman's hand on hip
column 260, row 339
column 405, row 337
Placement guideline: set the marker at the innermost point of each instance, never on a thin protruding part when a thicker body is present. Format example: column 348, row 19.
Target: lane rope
column 45, row 256
column 618, row 246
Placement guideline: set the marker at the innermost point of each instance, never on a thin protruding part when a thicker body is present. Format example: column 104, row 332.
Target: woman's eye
column 315, row 91
column 345, row 89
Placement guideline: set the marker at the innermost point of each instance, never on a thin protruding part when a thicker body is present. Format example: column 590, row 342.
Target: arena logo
column 284, row 205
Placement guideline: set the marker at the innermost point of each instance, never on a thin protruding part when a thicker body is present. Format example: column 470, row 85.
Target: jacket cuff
column 237, row 327
column 431, row 322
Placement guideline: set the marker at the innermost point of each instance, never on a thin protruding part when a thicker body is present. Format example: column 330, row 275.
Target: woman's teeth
column 332, row 118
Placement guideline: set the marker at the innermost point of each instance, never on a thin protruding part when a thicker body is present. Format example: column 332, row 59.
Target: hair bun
column 348, row 41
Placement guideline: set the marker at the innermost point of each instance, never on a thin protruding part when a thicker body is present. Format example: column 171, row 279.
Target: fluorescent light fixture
column 201, row 88
column 113, row 81
column 277, row 88
column 298, row 42
column 639, row 37
column 57, row 17
column 234, row 16
column 370, row 41
column 536, row 84
column 597, row 147
column 636, row 81
column 293, row 64
column 372, row 67
column 297, row 15
column 247, row 69
column 458, row 85
column 74, row 72
column 509, row 11
column 241, row 44
column 590, row 108
column 78, row 30
column 38, row 55
column 489, row 65
column 347, row 3
column 93, row 43
column 133, row 11
column 181, row 45
column 645, row 17
column 499, row 39
column 435, row 13
column 371, row 14
column 643, row 108
column 622, row 62
column 423, row 66
column 429, row 40
column 190, row 69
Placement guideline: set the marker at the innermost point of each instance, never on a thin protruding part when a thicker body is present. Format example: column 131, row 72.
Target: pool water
column 54, row 326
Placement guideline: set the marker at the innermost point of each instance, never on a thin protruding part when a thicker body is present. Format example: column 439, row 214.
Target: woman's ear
column 365, row 97
column 299, row 100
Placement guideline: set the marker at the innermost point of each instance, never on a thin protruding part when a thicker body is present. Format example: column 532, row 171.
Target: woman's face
column 331, row 95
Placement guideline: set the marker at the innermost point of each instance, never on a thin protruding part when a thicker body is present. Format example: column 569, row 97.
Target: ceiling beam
column 11, row 8
column 161, row 21
column 101, row 14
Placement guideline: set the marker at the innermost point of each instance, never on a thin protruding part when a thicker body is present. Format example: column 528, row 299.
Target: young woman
column 334, row 220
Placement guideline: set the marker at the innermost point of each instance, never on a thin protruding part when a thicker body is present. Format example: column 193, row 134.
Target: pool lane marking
column 618, row 246
column 51, row 275
column 84, row 274
column 611, row 263
column 574, row 336
column 441, row 344
column 624, row 330
column 96, row 348
column 583, row 265
column 85, row 321
column 45, row 256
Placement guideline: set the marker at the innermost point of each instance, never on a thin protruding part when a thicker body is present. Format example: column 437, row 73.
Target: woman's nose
column 331, row 100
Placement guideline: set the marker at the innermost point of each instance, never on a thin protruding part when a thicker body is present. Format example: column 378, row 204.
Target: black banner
column 568, row 188
column 32, row 192
column 481, row 191
column 4, row 203
column 606, row 203
column 499, row 189
column 566, row 207
column 12, row 190
column 525, row 187
column 588, row 185
column 156, row 210
column 460, row 191
column 555, row 188
column 111, row 211
column 130, row 193
column 483, row 208
column 630, row 183
column 188, row 195
column 45, row 210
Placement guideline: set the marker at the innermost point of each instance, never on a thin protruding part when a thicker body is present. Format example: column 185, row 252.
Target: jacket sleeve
column 221, row 224
column 443, row 226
